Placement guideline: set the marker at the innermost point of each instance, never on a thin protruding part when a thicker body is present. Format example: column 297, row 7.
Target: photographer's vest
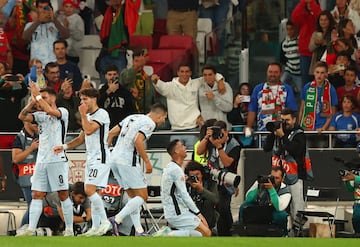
column 215, row 162
column 200, row 158
column 289, row 163
column 24, row 170
column 111, row 196
column 263, row 196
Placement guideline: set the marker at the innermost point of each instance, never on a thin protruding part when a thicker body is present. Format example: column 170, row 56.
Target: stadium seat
column 90, row 50
column 176, row 42
column 141, row 41
column 6, row 141
column 159, row 30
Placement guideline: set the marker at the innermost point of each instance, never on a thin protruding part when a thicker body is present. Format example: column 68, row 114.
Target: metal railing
column 256, row 134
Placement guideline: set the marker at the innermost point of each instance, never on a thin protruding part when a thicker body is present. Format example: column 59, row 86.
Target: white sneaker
column 91, row 232
column 25, row 232
column 68, row 232
column 164, row 231
column 104, row 228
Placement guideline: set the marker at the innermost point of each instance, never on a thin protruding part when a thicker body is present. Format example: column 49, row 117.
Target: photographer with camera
column 287, row 142
column 352, row 184
column 223, row 157
column 270, row 191
column 114, row 98
column 203, row 190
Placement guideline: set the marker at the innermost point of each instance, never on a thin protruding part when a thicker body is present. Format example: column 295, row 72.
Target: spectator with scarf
column 119, row 22
column 269, row 98
column 318, row 101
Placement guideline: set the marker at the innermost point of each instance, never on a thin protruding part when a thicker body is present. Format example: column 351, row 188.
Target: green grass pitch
column 172, row 242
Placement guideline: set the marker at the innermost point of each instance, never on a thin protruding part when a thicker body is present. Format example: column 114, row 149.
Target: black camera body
column 272, row 126
column 343, row 172
column 193, row 178
column 115, row 80
column 217, row 133
column 262, row 179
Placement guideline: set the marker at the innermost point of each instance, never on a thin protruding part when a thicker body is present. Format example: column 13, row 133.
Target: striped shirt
column 290, row 51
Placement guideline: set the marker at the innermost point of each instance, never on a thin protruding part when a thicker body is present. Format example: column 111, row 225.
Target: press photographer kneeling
column 203, row 190
column 268, row 194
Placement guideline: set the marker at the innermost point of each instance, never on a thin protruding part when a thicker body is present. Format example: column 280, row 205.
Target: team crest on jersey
column 76, row 170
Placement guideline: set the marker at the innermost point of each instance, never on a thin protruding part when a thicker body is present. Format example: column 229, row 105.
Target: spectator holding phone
column 12, row 90
column 114, row 98
column 42, row 32
column 238, row 115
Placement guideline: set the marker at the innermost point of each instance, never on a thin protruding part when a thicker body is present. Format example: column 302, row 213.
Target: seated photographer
column 203, row 190
column 352, row 184
column 53, row 216
column 223, row 154
column 270, row 191
column 287, row 142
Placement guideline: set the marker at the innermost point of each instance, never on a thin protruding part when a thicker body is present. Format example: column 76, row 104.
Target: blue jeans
column 27, row 195
column 120, row 62
column 218, row 15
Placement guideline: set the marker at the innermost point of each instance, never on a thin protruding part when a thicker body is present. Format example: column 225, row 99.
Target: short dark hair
column 158, row 108
column 171, row 147
column 276, row 64
column 194, row 166
column 289, row 23
column 343, row 54
column 209, row 67
column 112, row 67
column 48, row 90
column 288, row 111
column 78, row 188
column 208, row 123
column 221, row 124
column 351, row 68
column 278, row 168
column 43, row 1
column 90, row 92
column 60, row 41
column 50, row 65
column 183, row 65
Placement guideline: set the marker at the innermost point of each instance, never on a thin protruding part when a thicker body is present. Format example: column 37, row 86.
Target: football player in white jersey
column 95, row 123
column 51, row 170
column 133, row 131
column 179, row 209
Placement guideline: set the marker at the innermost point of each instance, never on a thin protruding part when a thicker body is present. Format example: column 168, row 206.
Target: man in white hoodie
column 183, row 103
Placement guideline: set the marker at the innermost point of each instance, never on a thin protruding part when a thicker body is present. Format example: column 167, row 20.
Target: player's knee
column 207, row 232
column 38, row 195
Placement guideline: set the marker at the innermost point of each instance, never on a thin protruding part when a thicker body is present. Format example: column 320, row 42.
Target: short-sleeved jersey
column 52, row 132
column 174, row 195
column 124, row 152
column 96, row 143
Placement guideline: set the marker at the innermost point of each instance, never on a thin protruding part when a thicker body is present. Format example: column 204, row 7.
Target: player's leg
column 96, row 177
column 39, row 186
column 58, row 177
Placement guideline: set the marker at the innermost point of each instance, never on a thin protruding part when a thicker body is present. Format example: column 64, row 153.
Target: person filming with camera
column 270, row 191
column 287, row 142
column 203, row 190
column 223, row 157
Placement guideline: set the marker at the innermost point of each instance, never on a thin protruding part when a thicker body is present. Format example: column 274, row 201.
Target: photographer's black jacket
column 293, row 143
